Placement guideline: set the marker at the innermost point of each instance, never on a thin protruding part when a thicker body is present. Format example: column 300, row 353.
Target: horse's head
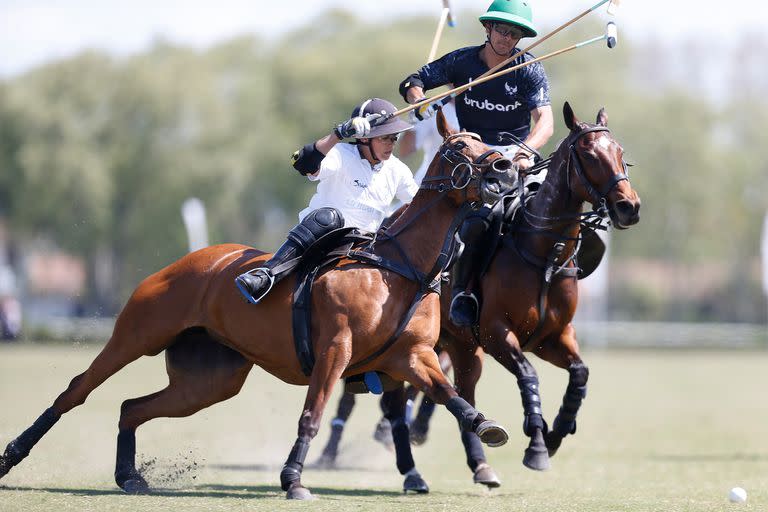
column 466, row 168
column 597, row 170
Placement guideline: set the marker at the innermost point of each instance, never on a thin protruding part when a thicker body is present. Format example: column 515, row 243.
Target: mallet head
column 613, row 6
column 611, row 34
column 451, row 19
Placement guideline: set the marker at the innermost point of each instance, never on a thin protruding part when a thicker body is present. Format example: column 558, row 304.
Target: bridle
column 599, row 212
column 598, row 196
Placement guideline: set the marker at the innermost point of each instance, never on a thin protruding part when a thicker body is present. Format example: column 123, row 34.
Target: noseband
column 598, row 196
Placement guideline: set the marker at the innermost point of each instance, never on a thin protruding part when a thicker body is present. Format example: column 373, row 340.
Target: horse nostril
column 627, row 209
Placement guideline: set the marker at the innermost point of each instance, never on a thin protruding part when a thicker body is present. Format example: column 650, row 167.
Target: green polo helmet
column 515, row 12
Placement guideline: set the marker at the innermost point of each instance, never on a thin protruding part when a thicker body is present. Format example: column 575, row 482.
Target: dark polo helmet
column 379, row 106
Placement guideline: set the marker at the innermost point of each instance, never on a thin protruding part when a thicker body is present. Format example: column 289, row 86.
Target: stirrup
column 247, row 294
column 452, row 310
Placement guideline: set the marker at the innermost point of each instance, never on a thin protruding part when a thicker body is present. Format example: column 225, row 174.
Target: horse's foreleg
column 327, row 371
column 509, row 354
column 331, row 450
column 468, row 367
column 425, row 373
column 565, row 354
column 420, row 425
column 394, row 406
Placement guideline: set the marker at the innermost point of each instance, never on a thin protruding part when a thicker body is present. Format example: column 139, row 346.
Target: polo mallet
column 612, row 7
column 445, row 15
column 610, row 36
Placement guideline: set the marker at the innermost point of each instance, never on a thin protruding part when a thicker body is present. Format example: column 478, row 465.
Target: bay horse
column 530, row 293
column 192, row 311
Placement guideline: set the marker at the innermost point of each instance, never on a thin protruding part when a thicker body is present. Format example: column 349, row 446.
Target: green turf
column 660, row 431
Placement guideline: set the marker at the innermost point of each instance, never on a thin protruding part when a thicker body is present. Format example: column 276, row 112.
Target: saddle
column 328, row 249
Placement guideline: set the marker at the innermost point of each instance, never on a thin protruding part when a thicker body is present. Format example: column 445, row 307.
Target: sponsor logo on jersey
column 359, row 184
column 487, row 105
column 511, row 91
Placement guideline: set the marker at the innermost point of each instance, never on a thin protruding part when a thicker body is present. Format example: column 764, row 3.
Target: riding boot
column 464, row 304
column 256, row 283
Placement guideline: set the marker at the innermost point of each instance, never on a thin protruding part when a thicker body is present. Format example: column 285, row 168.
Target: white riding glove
column 357, row 127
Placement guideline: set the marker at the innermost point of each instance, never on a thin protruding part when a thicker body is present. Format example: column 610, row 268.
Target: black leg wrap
column 20, row 447
column 473, row 447
column 332, row 447
column 529, row 392
column 294, row 465
column 346, row 404
column 565, row 422
column 467, row 415
column 125, row 465
column 426, row 410
column 401, row 438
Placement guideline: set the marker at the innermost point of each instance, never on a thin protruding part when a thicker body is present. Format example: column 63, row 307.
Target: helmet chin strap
column 376, row 159
column 488, row 40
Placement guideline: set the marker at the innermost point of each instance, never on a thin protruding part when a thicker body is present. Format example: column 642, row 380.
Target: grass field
column 659, row 431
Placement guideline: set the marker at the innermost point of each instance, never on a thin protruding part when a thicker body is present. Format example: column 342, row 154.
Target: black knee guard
column 316, row 224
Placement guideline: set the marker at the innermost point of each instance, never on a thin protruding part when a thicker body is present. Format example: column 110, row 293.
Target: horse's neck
column 420, row 230
column 554, row 200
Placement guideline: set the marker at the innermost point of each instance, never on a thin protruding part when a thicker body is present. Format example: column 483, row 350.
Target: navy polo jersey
column 503, row 104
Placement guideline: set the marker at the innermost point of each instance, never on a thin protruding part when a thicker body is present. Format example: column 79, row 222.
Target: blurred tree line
column 98, row 153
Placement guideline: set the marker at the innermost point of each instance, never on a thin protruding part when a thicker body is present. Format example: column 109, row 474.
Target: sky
column 33, row 32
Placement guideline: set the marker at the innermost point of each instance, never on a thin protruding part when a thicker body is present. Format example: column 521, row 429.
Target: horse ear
column 443, row 128
column 602, row 117
column 570, row 118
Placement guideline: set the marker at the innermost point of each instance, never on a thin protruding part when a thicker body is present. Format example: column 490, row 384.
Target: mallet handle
column 438, row 34
column 458, row 90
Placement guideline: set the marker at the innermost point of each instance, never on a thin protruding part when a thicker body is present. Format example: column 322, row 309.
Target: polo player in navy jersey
column 500, row 111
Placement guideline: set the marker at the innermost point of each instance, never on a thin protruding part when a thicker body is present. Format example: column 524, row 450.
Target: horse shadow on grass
column 272, row 468
column 212, row 491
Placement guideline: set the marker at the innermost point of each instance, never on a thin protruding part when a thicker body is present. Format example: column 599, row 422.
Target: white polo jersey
column 360, row 191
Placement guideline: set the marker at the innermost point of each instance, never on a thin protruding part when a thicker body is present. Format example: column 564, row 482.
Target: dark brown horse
column 529, row 292
column 212, row 338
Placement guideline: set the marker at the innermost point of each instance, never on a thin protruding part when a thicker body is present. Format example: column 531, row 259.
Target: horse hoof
column 536, row 458
column 418, row 439
column 492, row 434
column 553, row 442
column 484, row 474
column 418, row 432
column 383, row 434
column 135, row 486
column 299, row 493
column 415, row 484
